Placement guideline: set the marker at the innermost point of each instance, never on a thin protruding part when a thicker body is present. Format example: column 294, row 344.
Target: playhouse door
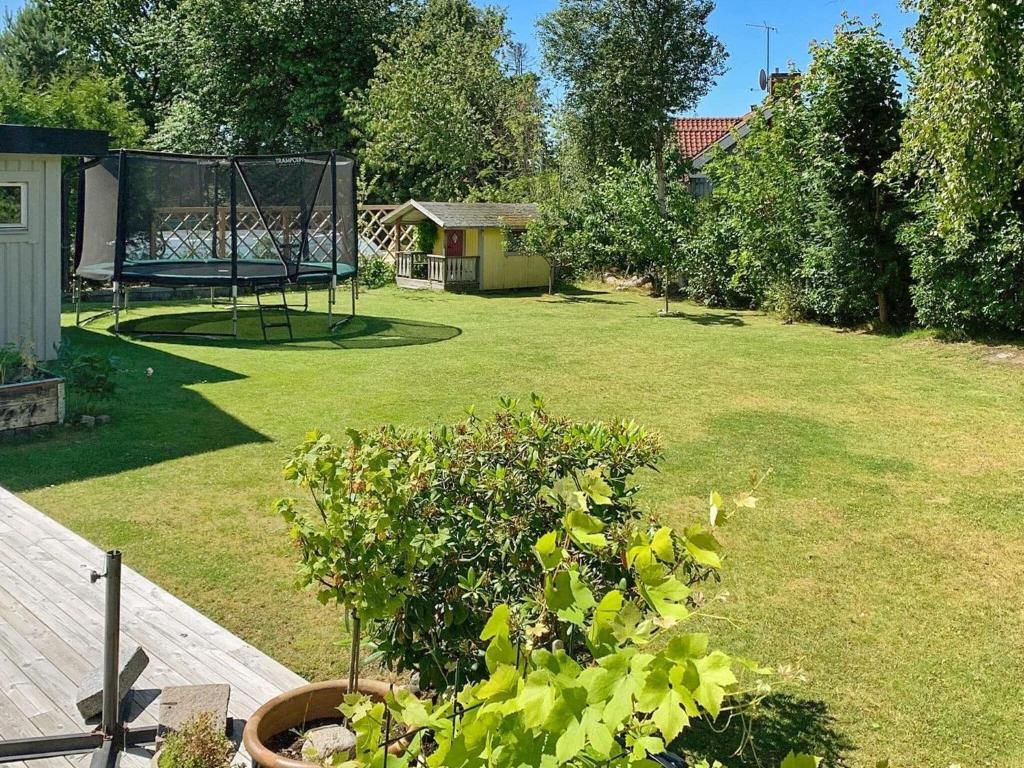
column 454, row 242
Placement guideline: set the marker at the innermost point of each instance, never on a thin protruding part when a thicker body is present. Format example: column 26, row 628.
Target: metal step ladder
column 262, row 290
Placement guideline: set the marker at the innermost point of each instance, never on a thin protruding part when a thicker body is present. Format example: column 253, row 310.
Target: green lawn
column 885, row 561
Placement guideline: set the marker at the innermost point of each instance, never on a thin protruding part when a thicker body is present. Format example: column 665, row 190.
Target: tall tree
column 963, row 147
column 33, row 47
column 269, row 76
column 443, row 117
column 628, row 66
column 755, row 224
column 855, row 268
column 130, row 41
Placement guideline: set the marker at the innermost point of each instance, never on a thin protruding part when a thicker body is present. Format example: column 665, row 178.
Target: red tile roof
column 695, row 134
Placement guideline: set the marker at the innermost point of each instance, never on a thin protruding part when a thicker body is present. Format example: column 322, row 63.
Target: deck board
column 51, row 629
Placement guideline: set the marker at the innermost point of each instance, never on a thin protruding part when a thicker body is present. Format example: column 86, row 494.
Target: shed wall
column 30, row 258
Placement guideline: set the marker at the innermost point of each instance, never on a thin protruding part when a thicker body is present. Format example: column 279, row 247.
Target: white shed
column 30, row 230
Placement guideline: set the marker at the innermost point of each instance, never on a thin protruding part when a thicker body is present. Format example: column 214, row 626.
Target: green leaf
column 702, row 546
column 497, row 624
column 548, row 551
column 713, row 675
column 800, row 760
column 670, row 716
column 687, row 646
column 571, row 742
column 585, row 529
column 599, row 736
column 502, row 684
column 593, row 485
column 662, row 545
column 663, row 592
column 499, row 652
column 569, row 597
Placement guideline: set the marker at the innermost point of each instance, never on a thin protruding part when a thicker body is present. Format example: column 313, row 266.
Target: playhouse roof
column 468, row 215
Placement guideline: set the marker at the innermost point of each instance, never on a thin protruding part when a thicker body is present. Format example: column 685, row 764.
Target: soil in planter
column 289, row 743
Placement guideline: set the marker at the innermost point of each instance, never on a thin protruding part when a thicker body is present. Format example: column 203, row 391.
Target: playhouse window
column 515, row 241
column 13, row 205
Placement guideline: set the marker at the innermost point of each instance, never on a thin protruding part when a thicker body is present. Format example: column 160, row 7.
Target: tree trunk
column 883, row 309
column 659, row 174
column 353, row 667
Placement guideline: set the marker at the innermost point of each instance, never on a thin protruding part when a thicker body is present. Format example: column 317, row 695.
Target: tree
column 130, row 41
column 268, row 77
column 963, row 151
column 441, row 116
column 67, row 101
column 628, row 66
column 753, row 229
column 854, row 267
column 33, row 47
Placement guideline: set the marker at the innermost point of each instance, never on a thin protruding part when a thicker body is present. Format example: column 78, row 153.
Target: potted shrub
column 29, row 395
column 357, row 548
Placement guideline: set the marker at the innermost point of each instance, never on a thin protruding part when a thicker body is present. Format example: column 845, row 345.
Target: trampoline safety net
column 148, row 217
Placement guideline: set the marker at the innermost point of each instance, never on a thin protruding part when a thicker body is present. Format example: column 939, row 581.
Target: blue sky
column 798, row 22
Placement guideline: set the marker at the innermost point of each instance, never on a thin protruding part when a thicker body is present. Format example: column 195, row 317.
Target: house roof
column 32, row 140
column 728, row 139
column 695, row 134
column 465, row 214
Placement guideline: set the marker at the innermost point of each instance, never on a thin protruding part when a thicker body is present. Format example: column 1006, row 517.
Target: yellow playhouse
column 475, row 247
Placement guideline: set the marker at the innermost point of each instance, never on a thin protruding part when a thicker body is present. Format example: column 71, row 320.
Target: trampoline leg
column 330, row 301
column 117, row 308
column 77, row 290
column 355, row 294
column 234, row 310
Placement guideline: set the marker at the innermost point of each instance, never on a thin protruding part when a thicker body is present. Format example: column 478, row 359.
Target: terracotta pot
column 292, row 709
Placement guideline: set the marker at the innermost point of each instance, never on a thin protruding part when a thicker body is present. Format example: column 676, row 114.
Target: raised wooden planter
column 31, row 404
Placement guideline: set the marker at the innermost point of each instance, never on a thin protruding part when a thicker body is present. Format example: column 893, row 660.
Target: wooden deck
column 51, row 630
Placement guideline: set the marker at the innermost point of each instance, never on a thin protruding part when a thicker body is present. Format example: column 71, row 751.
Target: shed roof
column 33, row 140
column 465, row 214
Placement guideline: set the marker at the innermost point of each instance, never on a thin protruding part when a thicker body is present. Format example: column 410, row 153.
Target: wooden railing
column 437, row 271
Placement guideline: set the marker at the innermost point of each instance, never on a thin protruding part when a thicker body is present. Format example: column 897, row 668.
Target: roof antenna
column 764, row 74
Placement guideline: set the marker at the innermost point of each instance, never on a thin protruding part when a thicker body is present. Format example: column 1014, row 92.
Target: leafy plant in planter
column 358, row 544
column 18, row 364
column 198, row 744
column 627, row 698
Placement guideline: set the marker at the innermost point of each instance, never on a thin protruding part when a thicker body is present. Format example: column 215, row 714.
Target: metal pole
column 234, row 309
column 117, row 308
column 111, row 647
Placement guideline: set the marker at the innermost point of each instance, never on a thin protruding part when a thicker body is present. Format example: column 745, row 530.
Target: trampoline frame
column 292, row 275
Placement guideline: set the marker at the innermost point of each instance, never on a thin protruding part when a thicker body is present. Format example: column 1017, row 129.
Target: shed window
column 13, row 205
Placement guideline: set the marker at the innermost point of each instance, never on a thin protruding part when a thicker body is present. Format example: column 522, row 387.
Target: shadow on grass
column 154, row 419
column 310, row 330
column 783, row 723
column 706, row 318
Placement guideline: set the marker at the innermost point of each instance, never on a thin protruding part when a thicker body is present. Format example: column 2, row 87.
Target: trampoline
column 245, row 223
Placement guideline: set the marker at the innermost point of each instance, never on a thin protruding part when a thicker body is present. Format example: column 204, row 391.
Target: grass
column 885, row 561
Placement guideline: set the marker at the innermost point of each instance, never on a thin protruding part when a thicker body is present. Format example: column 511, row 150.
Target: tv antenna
column 768, row 29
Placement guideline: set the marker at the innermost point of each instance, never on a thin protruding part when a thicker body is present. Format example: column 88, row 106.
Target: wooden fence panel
column 378, row 237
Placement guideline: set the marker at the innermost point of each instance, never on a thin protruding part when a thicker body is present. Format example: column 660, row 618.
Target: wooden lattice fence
column 377, row 237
